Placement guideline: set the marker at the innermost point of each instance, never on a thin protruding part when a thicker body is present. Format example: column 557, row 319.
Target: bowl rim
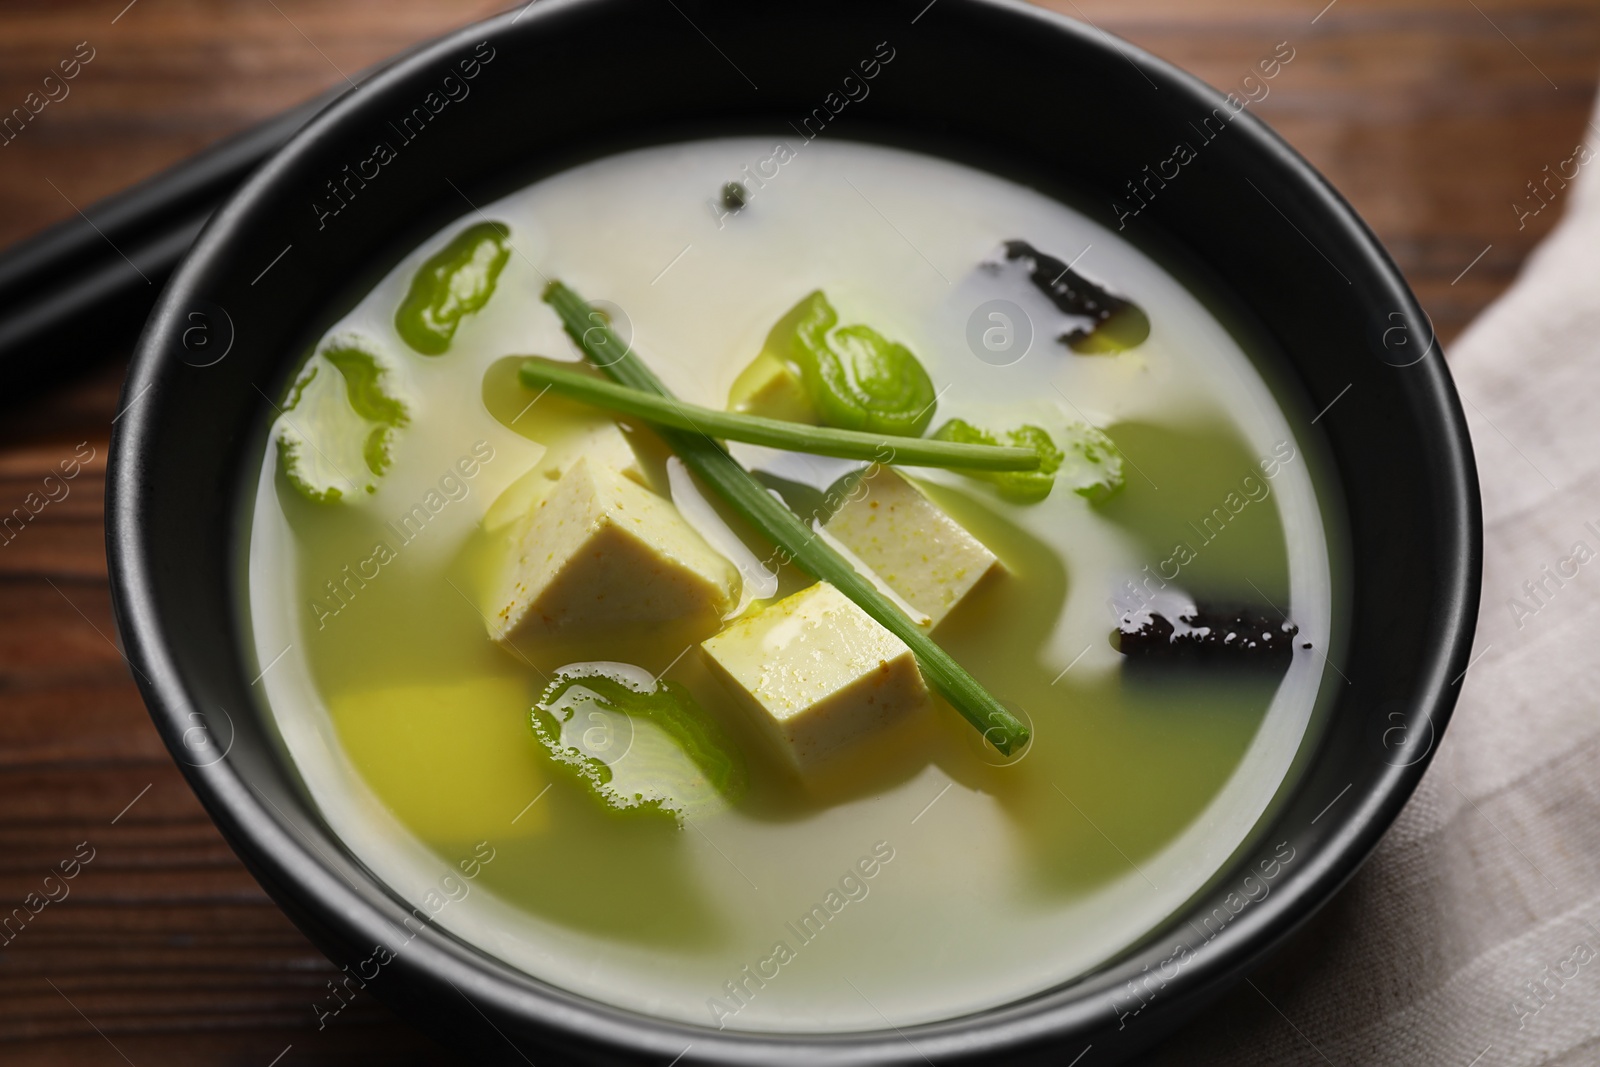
column 266, row 838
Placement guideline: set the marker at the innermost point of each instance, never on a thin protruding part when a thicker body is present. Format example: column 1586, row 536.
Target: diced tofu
column 605, row 445
column 928, row 559
column 771, row 387
column 600, row 551
column 817, row 672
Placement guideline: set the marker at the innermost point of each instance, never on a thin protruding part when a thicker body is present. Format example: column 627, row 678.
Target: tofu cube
column 817, row 673
column 928, row 559
column 770, row 387
column 601, row 550
column 604, row 445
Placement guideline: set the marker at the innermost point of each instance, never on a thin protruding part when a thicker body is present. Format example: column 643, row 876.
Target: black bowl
column 1001, row 85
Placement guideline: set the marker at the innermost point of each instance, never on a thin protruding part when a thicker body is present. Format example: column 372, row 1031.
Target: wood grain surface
column 1431, row 116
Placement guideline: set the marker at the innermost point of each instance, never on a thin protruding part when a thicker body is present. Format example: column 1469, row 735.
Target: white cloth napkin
column 1471, row 938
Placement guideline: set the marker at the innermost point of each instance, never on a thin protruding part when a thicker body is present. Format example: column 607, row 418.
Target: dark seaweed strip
column 1074, row 294
column 1242, row 637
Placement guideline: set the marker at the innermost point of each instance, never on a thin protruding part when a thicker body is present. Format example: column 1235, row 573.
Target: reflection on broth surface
column 525, row 623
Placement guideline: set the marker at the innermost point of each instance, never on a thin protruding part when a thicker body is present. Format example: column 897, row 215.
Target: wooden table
column 1430, row 115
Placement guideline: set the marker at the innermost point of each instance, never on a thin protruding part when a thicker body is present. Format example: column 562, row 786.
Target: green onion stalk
column 776, row 433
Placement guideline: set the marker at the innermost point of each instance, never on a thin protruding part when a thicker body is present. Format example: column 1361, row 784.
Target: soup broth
column 918, row 873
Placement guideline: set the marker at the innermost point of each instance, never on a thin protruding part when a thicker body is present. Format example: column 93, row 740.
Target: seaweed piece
column 337, row 428
column 455, row 282
column 1090, row 463
column 595, row 719
column 1231, row 636
column 1116, row 323
column 856, row 378
column 1024, row 487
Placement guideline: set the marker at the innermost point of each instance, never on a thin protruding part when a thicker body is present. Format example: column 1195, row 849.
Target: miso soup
column 546, row 668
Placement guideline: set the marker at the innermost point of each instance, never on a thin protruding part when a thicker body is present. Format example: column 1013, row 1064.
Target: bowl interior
column 1005, row 87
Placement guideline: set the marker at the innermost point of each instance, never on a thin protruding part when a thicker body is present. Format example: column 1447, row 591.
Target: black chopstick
column 80, row 290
